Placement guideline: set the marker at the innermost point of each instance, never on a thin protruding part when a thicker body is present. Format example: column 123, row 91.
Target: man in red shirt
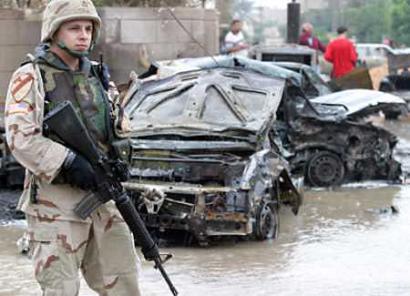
column 341, row 53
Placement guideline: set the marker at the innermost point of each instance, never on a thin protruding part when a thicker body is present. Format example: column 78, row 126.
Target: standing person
column 308, row 39
column 57, row 178
column 341, row 53
column 235, row 44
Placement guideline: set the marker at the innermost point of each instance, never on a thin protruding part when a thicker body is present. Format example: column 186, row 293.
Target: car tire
column 266, row 222
column 325, row 169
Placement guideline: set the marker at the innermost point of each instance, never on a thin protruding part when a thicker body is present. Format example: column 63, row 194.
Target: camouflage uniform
column 61, row 243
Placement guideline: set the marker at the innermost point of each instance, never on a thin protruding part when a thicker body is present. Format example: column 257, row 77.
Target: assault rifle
column 64, row 123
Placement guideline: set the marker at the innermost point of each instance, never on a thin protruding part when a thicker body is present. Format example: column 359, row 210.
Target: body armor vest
column 84, row 89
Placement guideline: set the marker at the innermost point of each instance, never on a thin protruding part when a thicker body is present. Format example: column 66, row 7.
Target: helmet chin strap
column 75, row 53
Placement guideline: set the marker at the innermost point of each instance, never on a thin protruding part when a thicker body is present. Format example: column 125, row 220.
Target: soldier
column 56, row 178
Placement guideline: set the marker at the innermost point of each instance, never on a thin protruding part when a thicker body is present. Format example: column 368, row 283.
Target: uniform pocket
column 40, row 234
column 45, row 255
column 40, row 240
column 43, row 233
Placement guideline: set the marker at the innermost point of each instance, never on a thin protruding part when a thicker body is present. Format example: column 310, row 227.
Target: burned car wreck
column 359, row 103
column 201, row 158
column 326, row 139
column 329, row 148
column 332, row 136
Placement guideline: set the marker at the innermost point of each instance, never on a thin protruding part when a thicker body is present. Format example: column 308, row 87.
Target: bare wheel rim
column 325, row 169
column 267, row 222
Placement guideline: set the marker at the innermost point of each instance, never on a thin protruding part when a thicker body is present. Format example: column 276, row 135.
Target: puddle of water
column 342, row 243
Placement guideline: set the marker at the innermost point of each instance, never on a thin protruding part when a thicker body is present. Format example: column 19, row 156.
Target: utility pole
column 293, row 22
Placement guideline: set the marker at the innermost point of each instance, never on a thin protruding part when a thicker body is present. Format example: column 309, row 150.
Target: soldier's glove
column 78, row 172
column 120, row 170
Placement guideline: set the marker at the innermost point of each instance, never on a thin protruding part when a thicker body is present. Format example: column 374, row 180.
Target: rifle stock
column 64, row 123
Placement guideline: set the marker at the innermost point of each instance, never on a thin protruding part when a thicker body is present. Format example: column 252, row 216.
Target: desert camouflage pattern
column 60, row 11
column 61, row 242
column 41, row 156
column 103, row 250
column 23, row 122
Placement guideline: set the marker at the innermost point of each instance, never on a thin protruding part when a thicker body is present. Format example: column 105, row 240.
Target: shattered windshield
column 222, row 100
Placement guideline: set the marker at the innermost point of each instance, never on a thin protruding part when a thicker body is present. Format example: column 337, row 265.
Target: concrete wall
column 134, row 37
column 131, row 38
column 17, row 37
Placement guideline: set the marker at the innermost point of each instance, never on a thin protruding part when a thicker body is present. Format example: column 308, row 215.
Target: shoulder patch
column 21, row 86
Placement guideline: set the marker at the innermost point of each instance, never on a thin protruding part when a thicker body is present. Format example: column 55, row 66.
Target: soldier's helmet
column 59, row 11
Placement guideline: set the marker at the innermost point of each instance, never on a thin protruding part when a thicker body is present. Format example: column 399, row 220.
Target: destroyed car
column 358, row 103
column 324, row 139
column 361, row 103
column 201, row 158
column 331, row 139
column 329, row 149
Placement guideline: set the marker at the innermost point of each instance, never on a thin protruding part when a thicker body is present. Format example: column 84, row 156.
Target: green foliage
column 400, row 24
column 368, row 21
column 321, row 21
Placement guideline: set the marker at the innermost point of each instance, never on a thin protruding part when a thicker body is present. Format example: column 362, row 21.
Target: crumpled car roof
column 264, row 68
column 214, row 100
column 355, row 100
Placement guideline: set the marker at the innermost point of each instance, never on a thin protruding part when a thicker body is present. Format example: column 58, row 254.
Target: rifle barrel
column 137, row 227
column 158, row 265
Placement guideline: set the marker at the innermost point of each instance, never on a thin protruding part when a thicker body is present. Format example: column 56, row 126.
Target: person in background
column 235, row 44
column 341, row 53
column 308, row 39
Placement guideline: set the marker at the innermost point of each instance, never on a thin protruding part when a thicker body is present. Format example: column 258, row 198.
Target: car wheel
column 267, row 222
column 325, row 169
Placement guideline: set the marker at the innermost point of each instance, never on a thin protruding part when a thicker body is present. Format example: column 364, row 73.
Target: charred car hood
column 215, row 102
column 356, row 100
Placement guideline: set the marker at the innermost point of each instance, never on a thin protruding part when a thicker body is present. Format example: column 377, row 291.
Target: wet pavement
column 346, row 241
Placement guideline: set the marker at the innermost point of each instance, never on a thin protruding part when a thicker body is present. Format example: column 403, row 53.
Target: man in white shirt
column 235, row 44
